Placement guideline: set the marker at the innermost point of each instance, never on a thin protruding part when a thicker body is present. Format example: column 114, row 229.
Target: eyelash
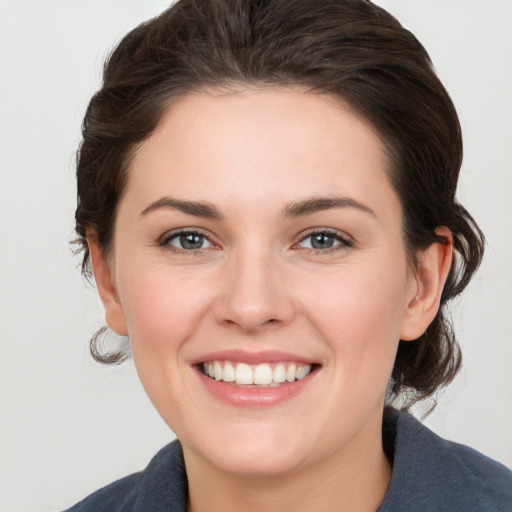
column 166, row 239
column 344, row 242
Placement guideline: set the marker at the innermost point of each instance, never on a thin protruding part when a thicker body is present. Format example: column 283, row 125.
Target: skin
column 256, row 284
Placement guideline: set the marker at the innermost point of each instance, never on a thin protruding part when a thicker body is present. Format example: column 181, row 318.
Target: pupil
column 191, row 241
column 322, row 241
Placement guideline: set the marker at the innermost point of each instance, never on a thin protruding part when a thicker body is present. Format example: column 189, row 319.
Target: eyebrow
column 197, row 208
column 317, row 204
column 292, row 210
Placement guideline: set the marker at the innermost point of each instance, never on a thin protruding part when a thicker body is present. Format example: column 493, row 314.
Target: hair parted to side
column 350, row 49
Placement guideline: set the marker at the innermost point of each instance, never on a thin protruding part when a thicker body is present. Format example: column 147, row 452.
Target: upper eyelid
column 164, row 241
column 180, row 231
column 330, row 231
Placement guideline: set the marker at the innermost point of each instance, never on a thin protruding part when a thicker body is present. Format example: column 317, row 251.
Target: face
column 259, row 240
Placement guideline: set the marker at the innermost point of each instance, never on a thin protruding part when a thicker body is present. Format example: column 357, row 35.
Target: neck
column 354, row 480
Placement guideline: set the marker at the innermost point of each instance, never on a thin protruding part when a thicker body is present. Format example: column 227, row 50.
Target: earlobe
column 431, row 273
column 114, row 314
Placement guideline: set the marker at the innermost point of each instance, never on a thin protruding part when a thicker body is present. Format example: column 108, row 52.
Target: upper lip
column 244, row 356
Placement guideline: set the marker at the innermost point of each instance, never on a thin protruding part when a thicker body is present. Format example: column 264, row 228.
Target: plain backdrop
column 69, row 425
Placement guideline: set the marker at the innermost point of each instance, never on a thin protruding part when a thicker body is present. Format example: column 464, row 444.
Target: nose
column 254, row 294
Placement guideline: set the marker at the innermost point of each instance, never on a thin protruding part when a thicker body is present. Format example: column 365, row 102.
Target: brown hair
column 351, row 49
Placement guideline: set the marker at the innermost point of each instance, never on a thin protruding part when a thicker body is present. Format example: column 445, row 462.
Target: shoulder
column 116, row 497
column 161, row 486
column 431, row 473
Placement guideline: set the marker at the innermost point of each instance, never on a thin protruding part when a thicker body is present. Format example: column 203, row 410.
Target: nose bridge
column 254, row 294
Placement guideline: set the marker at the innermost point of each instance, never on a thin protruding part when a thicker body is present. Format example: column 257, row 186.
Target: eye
column 187, row 241
column 324, row 241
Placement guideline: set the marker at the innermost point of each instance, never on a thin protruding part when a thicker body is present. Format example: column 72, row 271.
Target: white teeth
column 217, row 370
column 302, row 371
column 279, row 373
column 263, row 374
column 244, row 374
column 290, row 373
column 260, row 375
column 229, row 373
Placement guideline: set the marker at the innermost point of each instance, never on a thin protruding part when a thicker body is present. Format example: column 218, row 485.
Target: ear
column 114, row 314
column 430, row 275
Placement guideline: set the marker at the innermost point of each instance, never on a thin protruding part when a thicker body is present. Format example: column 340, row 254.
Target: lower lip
column 254, row 397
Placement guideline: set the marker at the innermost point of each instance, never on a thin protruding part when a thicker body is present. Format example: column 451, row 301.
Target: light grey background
column 68, row 425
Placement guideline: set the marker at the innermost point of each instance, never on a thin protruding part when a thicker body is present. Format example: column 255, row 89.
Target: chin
column 254, row 451
column 257, row 462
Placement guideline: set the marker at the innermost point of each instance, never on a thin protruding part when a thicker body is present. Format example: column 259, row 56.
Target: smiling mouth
column 260, row 375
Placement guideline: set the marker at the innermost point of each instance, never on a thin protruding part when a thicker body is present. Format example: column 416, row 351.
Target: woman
column 267, row 199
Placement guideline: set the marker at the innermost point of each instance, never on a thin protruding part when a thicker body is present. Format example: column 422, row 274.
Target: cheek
column 163, row 312
column 359, row 312
column 161, row 308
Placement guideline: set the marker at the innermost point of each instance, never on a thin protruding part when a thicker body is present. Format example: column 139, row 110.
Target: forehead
column 251, row 146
